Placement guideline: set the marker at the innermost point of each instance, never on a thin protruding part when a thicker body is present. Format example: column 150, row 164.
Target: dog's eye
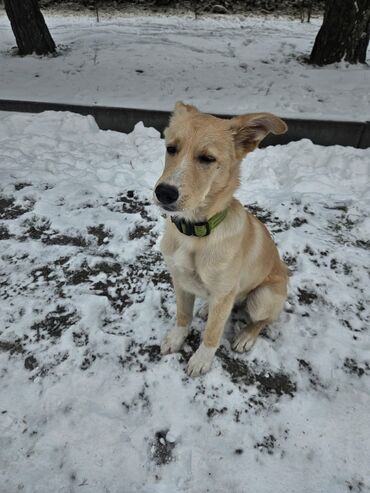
column 171, row 150
column 206, row 159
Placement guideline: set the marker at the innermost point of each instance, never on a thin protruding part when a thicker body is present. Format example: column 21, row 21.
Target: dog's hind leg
column 264, row 305
column 246, row 338
column 203, row 312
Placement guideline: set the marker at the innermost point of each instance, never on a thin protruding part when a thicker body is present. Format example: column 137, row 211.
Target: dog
column 213, row 247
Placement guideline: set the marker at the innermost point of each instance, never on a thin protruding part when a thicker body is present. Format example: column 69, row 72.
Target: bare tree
column 344, row 34
column 29, row 27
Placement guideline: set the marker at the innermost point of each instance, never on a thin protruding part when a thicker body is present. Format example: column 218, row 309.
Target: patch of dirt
column 306, row 297
column 35, row 227
column 85, row 272
column 139, row 402
column 55, row 323
column 123, row 284
column 138, row 355
column 131, row 203
column 274, row 223
column 212, row 412
column 312, row 376
column 51, row 274
column 291, row 261
column 352, row 366
column 4, row 233
column 267, row 382
column 14, row 347
column 9, row 209
column 101, row 234
column 88, row 360
column 139, row 232
column 151, row 352
column 341, row 226
column 340, row 268
column 20, row 185
column 46, row 369
column 161, row 450
column 114, row 286
column 357, row 486
column 244, row 374
column 309, row 251
column 267, row 445
column 150, row 266
column 62, row 260
column 80, row 338
column 262, row 214
column 339, row 207
column 365, row 244
column 39, row 228
column 307, row 210
column 30, row 363
column 45, row 272
column 298, row 221
column 61, row 239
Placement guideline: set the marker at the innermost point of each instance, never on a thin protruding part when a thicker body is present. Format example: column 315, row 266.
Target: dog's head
column 203, row 157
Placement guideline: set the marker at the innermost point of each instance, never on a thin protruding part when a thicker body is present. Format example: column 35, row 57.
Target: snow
column 223, row 64
column 88, row 404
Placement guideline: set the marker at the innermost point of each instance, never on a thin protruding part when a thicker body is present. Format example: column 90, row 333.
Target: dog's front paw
column 174, row 340
column 201, row 361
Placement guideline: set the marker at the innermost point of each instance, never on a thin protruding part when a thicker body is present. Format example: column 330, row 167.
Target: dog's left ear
column 248, row 130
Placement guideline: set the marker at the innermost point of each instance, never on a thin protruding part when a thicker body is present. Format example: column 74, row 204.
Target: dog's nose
column 166, row 194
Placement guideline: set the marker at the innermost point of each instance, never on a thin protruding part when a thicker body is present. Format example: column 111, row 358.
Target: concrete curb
column 322, row 132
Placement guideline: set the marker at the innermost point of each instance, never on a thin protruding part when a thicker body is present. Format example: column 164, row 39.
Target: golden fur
column 238, row 261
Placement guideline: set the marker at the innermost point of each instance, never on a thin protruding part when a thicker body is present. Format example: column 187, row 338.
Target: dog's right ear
column 182, row 108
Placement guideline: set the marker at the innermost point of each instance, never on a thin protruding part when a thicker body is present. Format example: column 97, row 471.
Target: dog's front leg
column 174, row 340
column 218, row 312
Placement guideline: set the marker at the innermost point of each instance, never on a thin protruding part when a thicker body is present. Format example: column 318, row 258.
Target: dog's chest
column 183, row 266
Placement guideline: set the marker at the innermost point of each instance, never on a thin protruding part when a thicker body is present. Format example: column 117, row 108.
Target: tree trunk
column 344, row 34
column 29, row 27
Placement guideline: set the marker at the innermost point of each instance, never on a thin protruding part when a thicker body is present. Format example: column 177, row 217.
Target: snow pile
column 226, row 65
column 86, row 399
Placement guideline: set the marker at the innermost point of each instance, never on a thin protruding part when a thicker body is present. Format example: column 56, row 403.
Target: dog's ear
column 182, row 108
column 248, row 130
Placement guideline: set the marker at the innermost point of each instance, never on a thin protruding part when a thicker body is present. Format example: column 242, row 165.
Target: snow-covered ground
column 88, row 404
column 225, row 65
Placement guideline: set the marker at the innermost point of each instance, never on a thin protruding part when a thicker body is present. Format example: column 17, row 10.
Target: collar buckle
column 201, row 229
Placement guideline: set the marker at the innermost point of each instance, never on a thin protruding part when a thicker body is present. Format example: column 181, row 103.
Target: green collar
column 199, row 229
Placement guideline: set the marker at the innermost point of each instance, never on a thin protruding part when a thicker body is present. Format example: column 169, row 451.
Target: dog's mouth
column 177, row 210
column 169, row 208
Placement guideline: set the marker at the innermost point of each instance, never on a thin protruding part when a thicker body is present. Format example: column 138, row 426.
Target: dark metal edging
column 322, row 132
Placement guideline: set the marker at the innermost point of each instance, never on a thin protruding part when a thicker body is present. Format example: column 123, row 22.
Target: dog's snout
column 166, row 194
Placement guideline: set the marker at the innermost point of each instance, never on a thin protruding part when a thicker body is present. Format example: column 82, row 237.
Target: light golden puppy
column 214, row 249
